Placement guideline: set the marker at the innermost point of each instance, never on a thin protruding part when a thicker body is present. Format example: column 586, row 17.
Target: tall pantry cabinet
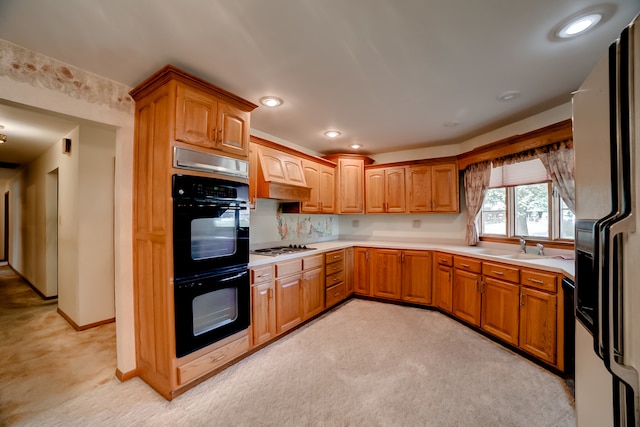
column 174, row 109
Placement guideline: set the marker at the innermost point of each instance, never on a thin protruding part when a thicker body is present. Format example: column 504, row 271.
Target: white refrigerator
column 606, row 135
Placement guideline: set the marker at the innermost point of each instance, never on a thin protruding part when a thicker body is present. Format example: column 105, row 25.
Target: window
column 521, row 201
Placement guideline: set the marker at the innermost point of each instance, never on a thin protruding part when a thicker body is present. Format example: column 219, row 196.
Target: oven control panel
column 190, row 187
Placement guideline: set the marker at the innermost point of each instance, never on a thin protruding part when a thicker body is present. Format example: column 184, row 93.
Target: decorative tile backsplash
column 297, row 227
column 270, row 225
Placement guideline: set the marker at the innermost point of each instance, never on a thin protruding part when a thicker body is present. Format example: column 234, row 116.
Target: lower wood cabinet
column 288, row 304
column 466, row 290
column 538, row 325
column 263, row 305
column 416, row 276
column 313, row 293
column 361, row 283
column 443, row 281
column 385, row 273
column 500, row 309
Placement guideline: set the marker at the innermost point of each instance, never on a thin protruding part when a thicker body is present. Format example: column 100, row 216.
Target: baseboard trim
column 31, row 285
column 79, row 328
column 126, row 376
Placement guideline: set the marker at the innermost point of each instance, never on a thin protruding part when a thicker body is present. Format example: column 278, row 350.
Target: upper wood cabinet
column 204, row 120
column 432, row 188
column 385, row 190
column 349, row 182
column 321, row 179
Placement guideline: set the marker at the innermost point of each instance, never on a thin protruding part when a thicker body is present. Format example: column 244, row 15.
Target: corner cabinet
column 349, row 187
column 174, row 109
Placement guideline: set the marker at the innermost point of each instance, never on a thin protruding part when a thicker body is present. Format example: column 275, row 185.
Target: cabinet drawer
column 334, row 256
column 213, row 360
column 538, row 279
column 335, row 294
column 444, row 259
column 334, row 279
column 288, row 267
column 500, row 271
column 312, row 262
column 334, row 267
column 261, row 274
column 468, row 264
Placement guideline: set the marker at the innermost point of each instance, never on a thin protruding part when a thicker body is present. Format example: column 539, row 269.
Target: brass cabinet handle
column 540, row 282
column 465, row 265
column 499, row 273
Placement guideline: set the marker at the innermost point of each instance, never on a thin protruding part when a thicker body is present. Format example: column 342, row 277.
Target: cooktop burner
column 281, row 250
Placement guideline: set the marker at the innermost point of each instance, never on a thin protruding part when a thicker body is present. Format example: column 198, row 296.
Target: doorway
column 51, row 232
column 5, row 234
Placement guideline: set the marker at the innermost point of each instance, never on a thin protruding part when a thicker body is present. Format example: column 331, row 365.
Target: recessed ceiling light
column 271, row 101
column 579, row 26
column 332, row 134
column 508, row 95
column 355, row 146
column 3, row 138
column 582, row 21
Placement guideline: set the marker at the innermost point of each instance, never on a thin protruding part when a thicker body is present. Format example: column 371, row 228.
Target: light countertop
column 552, row 263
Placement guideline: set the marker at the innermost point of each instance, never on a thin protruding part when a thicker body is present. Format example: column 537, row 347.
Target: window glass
column 567, row 222
column 532, row 210
column 494, row 212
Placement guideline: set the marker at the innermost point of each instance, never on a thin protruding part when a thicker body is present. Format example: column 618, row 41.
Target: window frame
column 555, row 218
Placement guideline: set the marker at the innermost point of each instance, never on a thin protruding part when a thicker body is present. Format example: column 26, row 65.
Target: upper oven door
column 210, row 232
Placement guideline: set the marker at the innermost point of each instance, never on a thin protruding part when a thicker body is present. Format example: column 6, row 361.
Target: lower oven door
column 211, row 308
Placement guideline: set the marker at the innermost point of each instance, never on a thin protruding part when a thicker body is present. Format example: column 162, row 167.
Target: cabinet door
column 312, row 175
column 313, row 293
column 394, row 192
column 361, row 283
column 466, row 296
column 195, row 117
column 348, row 271
column 538, row 327
column 351, row 185
column 444, row 287
column 288, row 307
column 500, row 309
column 418, row 188
column 375, row 187
column 416, row 276
column 445, row 188
column 385, row 273
column 233, row 130
column 327, row 185
column 263, row 314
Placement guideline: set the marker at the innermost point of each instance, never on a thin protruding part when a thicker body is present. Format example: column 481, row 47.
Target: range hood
column 280, row 176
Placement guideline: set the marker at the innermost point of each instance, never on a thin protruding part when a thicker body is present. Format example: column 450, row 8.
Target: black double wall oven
column 211, row 256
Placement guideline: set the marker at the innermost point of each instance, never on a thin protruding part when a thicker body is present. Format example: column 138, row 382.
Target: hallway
column 45, row 361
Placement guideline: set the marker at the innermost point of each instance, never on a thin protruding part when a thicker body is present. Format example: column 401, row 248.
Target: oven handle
column 238, row 207
column 237, row 276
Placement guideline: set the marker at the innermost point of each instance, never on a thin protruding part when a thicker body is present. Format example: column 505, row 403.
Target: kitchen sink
column 523, row 256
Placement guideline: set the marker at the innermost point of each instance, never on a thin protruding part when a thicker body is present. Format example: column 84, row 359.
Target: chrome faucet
column 540, row 247
column 523, row 245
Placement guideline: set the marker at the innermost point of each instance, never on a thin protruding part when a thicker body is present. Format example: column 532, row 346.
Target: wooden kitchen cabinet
column 361, row 285
column 321, row 179
column 385, row 274
column 467, row 290
column 206, row 121
column 385, row 190
column 500, row 309
column 432, row 188
column 349, row 182
column 416, row 276
column 288, row 294
column 263, row 307
column 313, row 293
column 335, row 277
column 539, row 318
column 348, row 271
column 443, row 281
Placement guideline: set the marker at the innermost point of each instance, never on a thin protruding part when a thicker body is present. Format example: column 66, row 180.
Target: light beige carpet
column 363, row 364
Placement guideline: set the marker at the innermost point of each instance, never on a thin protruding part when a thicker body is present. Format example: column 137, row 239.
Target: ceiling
column 388, row 74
